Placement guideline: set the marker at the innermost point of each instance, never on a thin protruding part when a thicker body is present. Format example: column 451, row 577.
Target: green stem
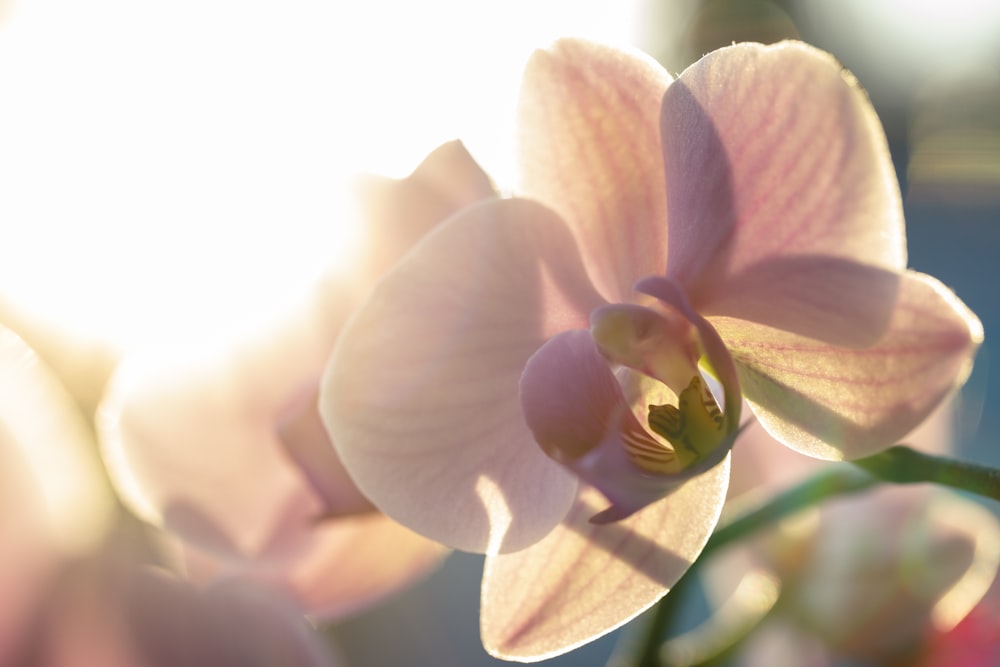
column 902, row 465
column 898, row 465
column 832, row 482
column 640, row 647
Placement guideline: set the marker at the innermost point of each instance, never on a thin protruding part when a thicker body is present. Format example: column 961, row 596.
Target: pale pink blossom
column 75, row 580
column 221, row 444
column 527, row 382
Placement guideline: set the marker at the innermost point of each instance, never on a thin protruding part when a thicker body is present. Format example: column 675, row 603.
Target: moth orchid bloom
column 528, row 381
column 223, row 447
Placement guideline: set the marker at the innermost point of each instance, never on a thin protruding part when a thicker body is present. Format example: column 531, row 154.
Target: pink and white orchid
column 537, row 358
column 222, row 445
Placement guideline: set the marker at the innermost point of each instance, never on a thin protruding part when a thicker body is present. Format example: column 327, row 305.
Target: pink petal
column 771, row 152
column 589, row 148
column 304, row 439
column 226, row 625
column 205, row 452
column 51, row 452
column 340, row 567
column 569, row 396
column 584, row 580
column 835, row 403
column 398, row 213
column 54, row 505
column 421, row 395
column 762, row 465
column 82, row 362
column 827, row 298
column 190, row 435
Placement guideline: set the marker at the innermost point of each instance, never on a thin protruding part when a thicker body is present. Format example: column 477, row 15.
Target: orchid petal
column 82, row 362
column 370, row 555
column 399, row 212
column 827, row 298
column 175, row 420
column 305, row 441
column 43, row 429
column 589, row 148
column 287, row 514
column 54, row 504
column 428, row 369
column 569, row 396
column 584, row 580
column 771, row 152
column 837, row 403
column 225, row 625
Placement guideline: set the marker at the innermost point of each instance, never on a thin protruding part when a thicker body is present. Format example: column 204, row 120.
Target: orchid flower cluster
column 557, row 379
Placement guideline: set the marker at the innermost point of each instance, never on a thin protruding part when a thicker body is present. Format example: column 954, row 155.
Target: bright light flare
column 170, row 168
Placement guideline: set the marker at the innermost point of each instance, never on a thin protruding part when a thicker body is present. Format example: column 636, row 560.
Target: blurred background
column 167, row 169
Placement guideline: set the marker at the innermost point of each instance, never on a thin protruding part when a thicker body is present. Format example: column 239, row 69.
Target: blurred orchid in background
column 222, row 446
column 743, row 220
column 76, row 577
column 866, row 578
column 55, row 507
column 974, row 642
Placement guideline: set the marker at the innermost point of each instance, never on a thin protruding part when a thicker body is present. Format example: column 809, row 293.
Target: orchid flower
column 222, row 445
column 528, row 382
column 72, row 585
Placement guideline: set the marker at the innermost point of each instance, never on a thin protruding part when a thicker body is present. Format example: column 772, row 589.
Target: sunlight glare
column 172, row 168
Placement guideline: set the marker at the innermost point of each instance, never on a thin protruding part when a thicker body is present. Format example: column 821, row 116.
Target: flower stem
column 902, row 465
column 834, row 481
column 898, row 465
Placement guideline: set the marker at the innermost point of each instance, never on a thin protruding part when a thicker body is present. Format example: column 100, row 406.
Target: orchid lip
column 588, row 418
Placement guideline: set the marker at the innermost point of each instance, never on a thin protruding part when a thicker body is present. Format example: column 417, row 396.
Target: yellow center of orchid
column 692, row 429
